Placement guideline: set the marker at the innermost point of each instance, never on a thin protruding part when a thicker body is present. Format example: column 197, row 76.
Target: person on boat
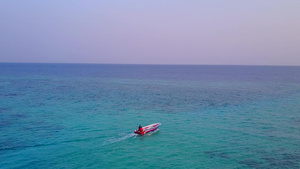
column 141, row 130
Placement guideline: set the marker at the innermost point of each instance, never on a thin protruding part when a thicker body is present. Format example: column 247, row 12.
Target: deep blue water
column 83, row 116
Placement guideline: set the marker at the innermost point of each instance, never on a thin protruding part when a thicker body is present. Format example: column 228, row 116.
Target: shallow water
column 83, row 116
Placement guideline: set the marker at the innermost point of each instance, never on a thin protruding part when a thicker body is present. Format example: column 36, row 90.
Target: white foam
column 114, row 140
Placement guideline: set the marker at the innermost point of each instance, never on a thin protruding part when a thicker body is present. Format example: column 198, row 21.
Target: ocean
column 84, row 115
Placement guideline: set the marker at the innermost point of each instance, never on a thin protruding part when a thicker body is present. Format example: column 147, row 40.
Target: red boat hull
column 148, row 129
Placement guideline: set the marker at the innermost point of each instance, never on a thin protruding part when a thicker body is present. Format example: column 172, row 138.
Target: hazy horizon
column 264, row 33
column 146, row 64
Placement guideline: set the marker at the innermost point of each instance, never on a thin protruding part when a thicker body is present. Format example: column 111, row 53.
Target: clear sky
column 234, row 32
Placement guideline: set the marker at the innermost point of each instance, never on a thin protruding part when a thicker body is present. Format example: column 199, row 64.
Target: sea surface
column 84, row 115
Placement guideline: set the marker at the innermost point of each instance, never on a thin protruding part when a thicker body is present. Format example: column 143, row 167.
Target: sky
column 211, row 32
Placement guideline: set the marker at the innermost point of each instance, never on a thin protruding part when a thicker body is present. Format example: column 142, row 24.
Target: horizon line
column 149, row 64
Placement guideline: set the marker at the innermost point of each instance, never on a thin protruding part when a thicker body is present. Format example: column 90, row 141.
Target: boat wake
column 114, row 140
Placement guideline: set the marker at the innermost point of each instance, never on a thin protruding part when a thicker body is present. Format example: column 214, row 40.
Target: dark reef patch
column 2, row 110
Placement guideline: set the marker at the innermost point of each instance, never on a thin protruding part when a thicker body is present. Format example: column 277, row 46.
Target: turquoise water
column 83, row 116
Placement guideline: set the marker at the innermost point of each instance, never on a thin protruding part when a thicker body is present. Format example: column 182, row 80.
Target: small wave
column 114, row 140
